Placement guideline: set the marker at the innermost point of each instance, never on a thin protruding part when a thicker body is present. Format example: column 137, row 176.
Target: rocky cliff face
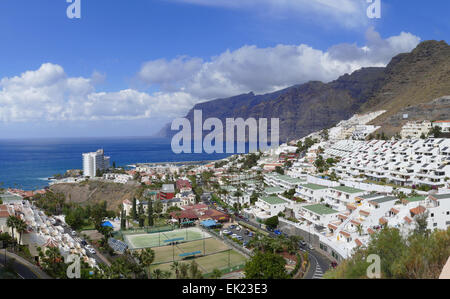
column 438, row 109
column 410, row 79
column 413, row 79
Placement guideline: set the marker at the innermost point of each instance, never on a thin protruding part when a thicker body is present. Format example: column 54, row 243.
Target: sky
column 126, row 68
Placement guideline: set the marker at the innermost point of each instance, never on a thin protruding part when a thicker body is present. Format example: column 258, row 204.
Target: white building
column 415, row 129
column 406, row 162
column 94, row 161
column 444, row 124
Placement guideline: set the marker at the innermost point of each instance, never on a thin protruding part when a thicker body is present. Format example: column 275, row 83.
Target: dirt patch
column 95, row 192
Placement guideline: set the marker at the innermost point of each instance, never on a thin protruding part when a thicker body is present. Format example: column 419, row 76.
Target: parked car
column 235, row 236
column 226, row 232
column 302, row 244
column 92, row 250
column 84, row 243
column 250, row 234
column 334, row 265
column 232, row 226
column 277, row 232
column 74, row 233
column 238, row 228
column 239, row 238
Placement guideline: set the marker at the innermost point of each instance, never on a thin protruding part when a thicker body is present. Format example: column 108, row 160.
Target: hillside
column 433, row 110
column 409, row 79
column 94, row 192
column 413, row 79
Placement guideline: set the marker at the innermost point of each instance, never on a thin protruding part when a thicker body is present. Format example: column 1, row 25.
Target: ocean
column 27, row 164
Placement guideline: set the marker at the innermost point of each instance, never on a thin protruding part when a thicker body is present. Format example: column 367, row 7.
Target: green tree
column 216, row 274
column 146, row 258
column 272, row 222
column 266, row 265
column 134, row 209
column 150, row 213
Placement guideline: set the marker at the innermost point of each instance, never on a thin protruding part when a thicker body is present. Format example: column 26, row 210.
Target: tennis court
column 221, row 260
column 165, row 254
column 157, row 239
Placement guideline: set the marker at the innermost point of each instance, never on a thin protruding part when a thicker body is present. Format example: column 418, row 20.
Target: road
column 318, row 265
column 78, row 239
column 23, row 268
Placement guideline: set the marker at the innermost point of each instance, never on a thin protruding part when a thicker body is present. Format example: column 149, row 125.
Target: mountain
column 410, row 79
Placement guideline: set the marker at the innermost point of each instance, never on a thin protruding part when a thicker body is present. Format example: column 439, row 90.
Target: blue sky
column 128, row 67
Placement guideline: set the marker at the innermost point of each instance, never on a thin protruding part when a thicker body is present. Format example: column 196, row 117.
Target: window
column 432, row 214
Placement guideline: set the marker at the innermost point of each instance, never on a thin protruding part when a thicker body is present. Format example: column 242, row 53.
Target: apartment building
column 284, row 181
column 443, row 124
column 311, row 192
column 266, row 207
column 405, row 163
column 415, row 129
column 94, row 161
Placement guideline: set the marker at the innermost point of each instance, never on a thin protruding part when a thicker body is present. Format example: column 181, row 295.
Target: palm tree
column 11, row 222
column 176, row 268
column 359, row 229
column 21, row 227
column 160, row 274
column 146, row 258
column 216, row 274
column 184, row 268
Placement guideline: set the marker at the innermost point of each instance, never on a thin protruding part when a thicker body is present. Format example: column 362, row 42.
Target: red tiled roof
column 362, row 212
column 340, row 216
column 417, row 211
column 383, row 221
column 395, row 211
column 358, row 242
column 332, row 226
column 407, row 219
column 186, row 214
column 355, row 222
column 370, row 231
column 344, row 233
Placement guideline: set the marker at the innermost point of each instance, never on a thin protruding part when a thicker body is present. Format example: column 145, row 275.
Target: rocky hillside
column 94, row 192
column 410, row 79
column 434, row 110
column 413, row 79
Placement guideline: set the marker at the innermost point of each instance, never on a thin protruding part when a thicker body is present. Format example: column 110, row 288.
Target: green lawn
column 169, row 253
column 208, row 263
column 157, row 239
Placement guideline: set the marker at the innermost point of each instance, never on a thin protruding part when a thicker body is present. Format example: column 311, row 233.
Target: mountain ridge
column 410, row 79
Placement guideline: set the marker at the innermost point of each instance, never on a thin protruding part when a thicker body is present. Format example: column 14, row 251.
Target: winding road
column 23, row 268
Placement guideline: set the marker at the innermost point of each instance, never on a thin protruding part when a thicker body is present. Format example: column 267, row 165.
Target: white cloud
column 348, row 13
column 48, row 94
column 267, row 69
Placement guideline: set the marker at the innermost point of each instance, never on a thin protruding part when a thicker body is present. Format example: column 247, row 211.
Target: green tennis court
column 221, row 260
column 165, row 254
column 157, row 239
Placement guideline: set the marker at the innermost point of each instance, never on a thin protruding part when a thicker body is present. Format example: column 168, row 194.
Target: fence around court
column 226, row 270
column 144, row 230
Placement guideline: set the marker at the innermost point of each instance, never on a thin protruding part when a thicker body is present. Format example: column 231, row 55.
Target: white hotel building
column 405, row 162
column 94, row 161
